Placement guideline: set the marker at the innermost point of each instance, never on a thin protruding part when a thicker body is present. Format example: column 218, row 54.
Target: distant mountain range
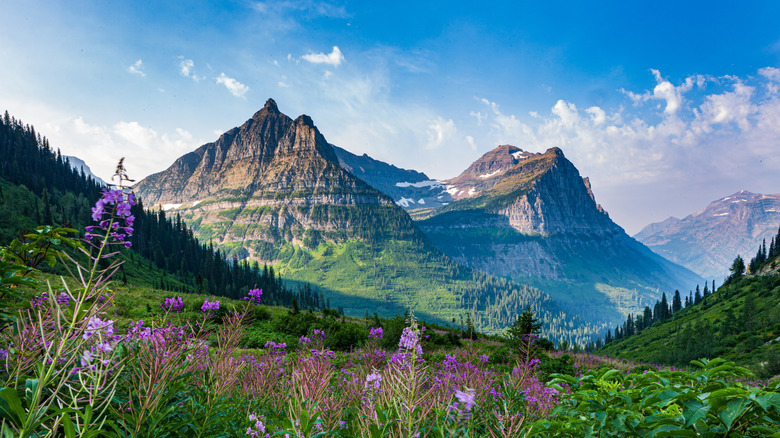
column 512, row 224
column 708, row 241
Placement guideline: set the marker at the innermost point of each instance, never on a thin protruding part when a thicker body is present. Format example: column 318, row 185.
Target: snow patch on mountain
column 488, row 175
column 430, row 183
column 404, row 202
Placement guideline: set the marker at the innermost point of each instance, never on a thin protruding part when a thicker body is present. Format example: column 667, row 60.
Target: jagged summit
column 270, row 105
column 268, row 151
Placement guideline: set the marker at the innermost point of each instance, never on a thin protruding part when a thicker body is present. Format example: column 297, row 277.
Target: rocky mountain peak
column 243, row 157
column 708, row 240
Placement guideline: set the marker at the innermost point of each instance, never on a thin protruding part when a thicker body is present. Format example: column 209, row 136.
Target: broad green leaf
column 13, row 405
column 733, row 410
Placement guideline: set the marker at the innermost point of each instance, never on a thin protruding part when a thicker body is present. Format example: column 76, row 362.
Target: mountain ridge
column 708, row 240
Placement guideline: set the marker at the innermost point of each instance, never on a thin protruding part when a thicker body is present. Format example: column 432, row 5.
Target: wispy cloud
column 236, row 88
column 137, row 68
column 439, row 132
column 186, row 69
column 334, row 58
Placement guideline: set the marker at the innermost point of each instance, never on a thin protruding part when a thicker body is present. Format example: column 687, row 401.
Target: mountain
column 409, row 189
column 274, row 190
column 707, row 241
column 79, row 164
column 533, row 218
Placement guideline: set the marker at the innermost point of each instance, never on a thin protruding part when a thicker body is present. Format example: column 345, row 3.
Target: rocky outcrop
column 708, row 241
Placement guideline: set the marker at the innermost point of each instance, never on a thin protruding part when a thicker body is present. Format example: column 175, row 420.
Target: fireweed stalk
column 68, row 360
column 406, row 384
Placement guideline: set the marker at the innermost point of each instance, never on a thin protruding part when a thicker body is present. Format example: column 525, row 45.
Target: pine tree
column 664, row 307
column 737, row 268
column 526, row 324
column 676, row 302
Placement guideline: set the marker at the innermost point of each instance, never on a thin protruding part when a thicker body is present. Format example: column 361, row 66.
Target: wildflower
column 254, row 297
column 115, row 204
column 484, row 358
column 375, row 333
column 39, row 300
column 373, row 380
column 96, row 324
column 173, row 304
column 209, row 305
column 466, row 399
column 63, row 299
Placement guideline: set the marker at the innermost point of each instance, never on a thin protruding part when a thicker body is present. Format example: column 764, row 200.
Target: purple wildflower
column 115, row 204
column 63, row 299
column 254, row 296
column 173, row 304
column 375, row 333
column 373, row 381
column 209, row 305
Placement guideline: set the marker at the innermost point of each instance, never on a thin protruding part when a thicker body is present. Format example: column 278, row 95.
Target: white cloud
column 718, row 140
column 598, row 115
column 439, row 131
column 137, row 68
column 773, row 76
column 508, row 128
column 334, row 58
column 567, row 112
column 470, row 140
column 236, row 88
column 101, row 146
column 186, row 69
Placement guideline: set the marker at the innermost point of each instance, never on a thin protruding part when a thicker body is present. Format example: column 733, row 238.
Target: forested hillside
column 739, row 321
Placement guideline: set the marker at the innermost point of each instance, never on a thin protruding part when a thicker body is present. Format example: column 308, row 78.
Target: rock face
column 532, row 217
column 708, row 241
column 271, row 180
column 409, row 189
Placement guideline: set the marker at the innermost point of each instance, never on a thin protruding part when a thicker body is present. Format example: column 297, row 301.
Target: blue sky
column 666, row 106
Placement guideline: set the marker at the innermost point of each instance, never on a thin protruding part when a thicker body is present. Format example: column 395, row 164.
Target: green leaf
column 733, row 410
column 67, row 426
column 13, row 405
column 693, row 410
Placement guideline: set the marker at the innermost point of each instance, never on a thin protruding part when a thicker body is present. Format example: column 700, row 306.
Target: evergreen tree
column 664, row 308
column 526, row 324
column 737, row 268
column 676, row 302
column 697, row 296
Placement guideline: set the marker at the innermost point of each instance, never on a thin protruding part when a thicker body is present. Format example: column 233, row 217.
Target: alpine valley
column 516, row 229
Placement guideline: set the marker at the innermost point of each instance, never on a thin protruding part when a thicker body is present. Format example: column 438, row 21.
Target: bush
column 345, row 337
